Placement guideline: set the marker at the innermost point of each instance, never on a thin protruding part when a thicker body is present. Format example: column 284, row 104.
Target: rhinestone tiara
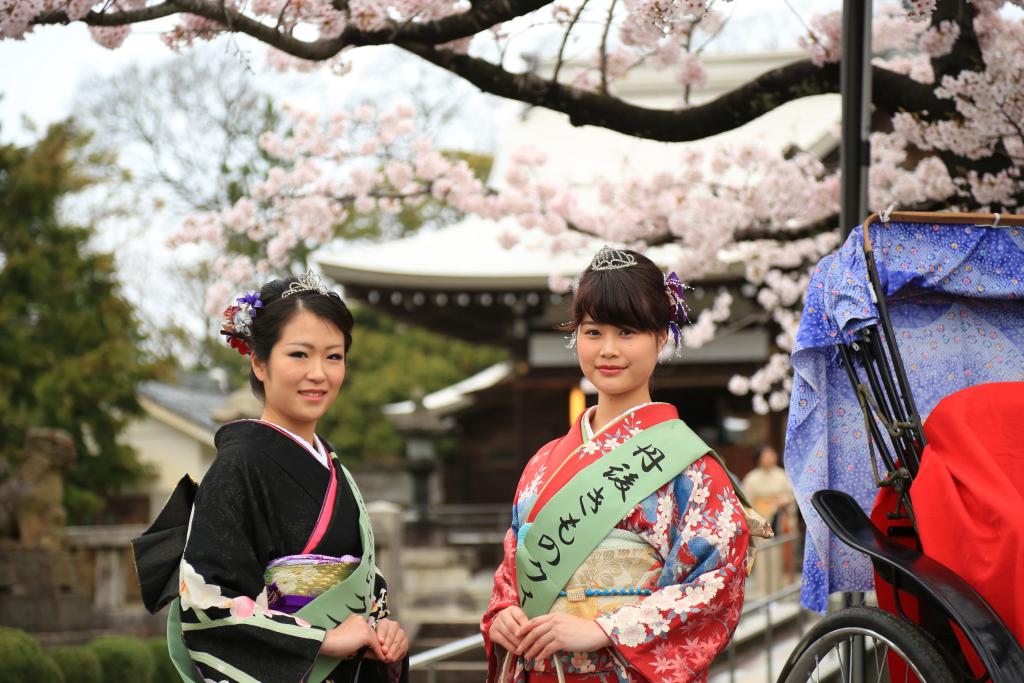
column 308, row 282
column 612, row 259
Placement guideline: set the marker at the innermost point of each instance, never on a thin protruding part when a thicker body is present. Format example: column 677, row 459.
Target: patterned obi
column 294, row 581
column 622, row 563
column 621, row 571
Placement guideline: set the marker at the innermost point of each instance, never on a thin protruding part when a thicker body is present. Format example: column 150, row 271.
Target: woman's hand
column 393, row 641
column 543, row 636
column 505, row 625
column 349, row 637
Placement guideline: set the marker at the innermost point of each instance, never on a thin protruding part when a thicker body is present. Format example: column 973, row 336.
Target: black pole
column 854, row 159
column 855, row 86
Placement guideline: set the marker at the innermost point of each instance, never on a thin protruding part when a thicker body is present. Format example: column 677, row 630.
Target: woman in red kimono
column 656, row 593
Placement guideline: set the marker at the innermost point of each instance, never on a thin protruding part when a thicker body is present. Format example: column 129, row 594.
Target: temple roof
column 464, row 256
column 433, row 408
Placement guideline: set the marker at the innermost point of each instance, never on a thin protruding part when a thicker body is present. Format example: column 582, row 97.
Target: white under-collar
column 588, row 415
column 318, row 451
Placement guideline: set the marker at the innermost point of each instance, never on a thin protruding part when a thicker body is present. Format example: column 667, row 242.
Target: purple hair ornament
column 676, row 291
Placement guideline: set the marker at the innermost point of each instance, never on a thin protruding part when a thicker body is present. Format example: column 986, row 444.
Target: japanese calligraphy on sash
column 576, row 518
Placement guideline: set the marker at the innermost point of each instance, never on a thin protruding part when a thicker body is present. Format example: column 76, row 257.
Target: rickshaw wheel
column 823, row 653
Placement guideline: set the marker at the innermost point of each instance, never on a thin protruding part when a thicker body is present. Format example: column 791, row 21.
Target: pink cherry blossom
column 736, row 210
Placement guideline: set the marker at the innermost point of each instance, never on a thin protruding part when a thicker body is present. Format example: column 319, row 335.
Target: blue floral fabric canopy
column 955, row 297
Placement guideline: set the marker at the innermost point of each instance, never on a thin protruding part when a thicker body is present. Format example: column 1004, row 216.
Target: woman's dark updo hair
column 633, row 297
column 270, row 319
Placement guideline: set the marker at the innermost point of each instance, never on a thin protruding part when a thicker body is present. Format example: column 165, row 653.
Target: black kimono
column 260, row 501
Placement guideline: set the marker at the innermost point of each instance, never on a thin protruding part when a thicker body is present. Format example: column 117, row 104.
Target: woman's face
column 617, row 360
column 303, row 374
column 768, row 458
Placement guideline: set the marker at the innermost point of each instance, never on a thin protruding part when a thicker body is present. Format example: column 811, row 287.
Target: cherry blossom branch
column 479, row 17
column 774, row 232
column 131, row 16
column 604, row 46
column 565, row 39
column 966, row 52
column 892, row 92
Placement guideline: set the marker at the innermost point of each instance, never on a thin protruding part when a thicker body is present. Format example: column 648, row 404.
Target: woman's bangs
column 612, row 303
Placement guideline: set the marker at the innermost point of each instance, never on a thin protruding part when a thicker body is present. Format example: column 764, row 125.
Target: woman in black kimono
column 277, row 580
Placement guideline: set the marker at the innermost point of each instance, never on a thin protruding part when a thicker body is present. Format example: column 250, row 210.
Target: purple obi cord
column 289, row 604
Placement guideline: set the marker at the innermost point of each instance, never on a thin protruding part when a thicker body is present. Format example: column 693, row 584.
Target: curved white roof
column 466, row 255
column 457, row 395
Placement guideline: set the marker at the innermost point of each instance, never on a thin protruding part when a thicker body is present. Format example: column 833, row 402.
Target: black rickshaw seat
column 985, row 630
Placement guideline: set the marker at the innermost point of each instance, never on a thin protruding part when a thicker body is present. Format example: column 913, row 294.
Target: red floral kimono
column 698, row 541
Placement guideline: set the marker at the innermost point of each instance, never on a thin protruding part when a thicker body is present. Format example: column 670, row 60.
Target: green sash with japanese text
column 580, row 515
column 350, row 596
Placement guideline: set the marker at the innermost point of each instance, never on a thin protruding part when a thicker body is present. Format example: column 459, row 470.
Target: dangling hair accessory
column 238, row 319
column 676, row 291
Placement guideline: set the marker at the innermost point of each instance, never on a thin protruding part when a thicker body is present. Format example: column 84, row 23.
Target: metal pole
column 855, row 87
column 855, row 152
column 854, row 160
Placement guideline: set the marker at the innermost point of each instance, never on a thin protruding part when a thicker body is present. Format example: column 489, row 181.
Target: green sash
column 330, row 608
column 579, row 516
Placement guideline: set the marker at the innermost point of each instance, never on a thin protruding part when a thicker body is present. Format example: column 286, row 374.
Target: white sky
column 40, row 74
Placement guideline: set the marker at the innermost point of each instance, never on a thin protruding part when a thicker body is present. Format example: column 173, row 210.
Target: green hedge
column 79, row 663
column 107, row 659
column 124, row 659
column 23, row 661
column 165, row 671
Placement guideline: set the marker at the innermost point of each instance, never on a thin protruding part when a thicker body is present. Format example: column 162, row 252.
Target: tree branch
column 132, row 16
column 604, row 47
column 892, row 92
column 966, row 52
column 565, row 39
column 479, row 17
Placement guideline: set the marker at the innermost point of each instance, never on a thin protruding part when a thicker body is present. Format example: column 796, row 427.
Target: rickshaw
column 902, row 444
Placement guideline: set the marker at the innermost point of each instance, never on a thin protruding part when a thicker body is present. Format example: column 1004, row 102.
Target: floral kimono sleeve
column 503, row 595
column 506, row 591
column 229, row 632
column 698, row 526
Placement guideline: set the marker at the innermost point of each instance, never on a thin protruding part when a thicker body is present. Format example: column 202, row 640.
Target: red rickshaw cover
column 969, row 493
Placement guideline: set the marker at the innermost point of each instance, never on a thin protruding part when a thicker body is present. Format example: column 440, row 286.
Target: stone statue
column 32, row 491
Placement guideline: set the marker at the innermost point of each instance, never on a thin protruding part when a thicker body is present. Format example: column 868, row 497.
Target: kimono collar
column 586, row 431
column 588, row 428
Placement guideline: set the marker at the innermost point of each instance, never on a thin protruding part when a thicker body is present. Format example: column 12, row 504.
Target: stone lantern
column 420, row 429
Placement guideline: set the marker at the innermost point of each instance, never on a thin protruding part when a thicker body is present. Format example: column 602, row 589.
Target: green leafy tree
column 389, row 362
column 72, row 354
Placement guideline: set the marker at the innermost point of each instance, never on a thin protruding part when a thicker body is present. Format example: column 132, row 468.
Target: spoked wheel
column 824, row 653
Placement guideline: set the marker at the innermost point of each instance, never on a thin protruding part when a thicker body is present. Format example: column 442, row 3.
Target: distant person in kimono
column 768, row 487
column 278, row 581
column 627, row 554
column 769, row 491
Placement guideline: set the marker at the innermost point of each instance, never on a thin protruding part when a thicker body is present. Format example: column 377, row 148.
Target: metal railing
column 768, row 632
column 430, row 660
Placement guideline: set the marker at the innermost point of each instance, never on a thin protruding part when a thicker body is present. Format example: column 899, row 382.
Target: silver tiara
column 309, row 282
column 612, row 259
